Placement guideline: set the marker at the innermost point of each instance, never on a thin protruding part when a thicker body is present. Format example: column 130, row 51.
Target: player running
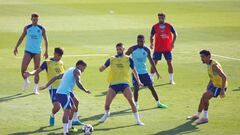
column 54, row 67
column 34, row 34
column 217, row 85
column 119, row 78
column 140, row 53
column 63, row 94
column 164, row 43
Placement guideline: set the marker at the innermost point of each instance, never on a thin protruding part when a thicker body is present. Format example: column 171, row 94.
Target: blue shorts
column 144, row 78
column 215, row 90
column 52, row 93
column 119, row 87
column 158, row 55
column 65, row 101
column 31, row 54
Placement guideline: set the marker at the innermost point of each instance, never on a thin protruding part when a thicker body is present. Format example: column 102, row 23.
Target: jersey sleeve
column 131, row 63
column 44, row 66
column 152, row 31
column 107, row 63
column 172, row 29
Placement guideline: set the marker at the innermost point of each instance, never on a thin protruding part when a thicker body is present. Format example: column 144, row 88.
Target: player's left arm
column 76, row 74
column 45, row 42
column 174, row 33
column 135, row 72
column 51, row 81
column 103, row 67
column 153, row 64
column 217, row 69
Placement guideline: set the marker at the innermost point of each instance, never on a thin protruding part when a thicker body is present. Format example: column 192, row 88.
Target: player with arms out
column 216, row 86
column 34, row 34
column 140, row 53
column 54, row 67
column 119, row 78
column 164, row 37
column 63, row 95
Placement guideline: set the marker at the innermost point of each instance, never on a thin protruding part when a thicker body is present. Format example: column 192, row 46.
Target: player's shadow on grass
column 158, row 85
column 41, row 130
column 185, row 128
column 15, row 96
column 238, row 89
column 113, row 114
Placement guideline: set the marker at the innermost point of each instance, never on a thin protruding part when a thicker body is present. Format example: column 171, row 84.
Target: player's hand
column 15, row 51
column 151, row 46
column 222, row 94
column 158, row 75
column 26, row 74
column 140, row 84
column 88, row 91
column 45, row 55
column 42, row 87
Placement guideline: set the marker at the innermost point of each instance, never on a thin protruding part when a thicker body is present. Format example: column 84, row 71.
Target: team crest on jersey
column 144, row 53
column 38, row 31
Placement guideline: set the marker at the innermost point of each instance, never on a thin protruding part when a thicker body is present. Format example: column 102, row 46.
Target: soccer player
column 216, row 86
column 70, row 77
column 119, row 78
column 164, row 38
column 54, row 67
column 34, row 34
column 140, row 53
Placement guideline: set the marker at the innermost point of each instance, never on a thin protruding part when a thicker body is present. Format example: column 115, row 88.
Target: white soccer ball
column 87, row 129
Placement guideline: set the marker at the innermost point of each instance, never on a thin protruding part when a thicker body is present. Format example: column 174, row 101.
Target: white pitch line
column 77, row 55
column 226, row 57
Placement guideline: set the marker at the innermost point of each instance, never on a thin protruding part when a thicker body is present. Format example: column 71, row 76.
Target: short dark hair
column 119, row 44
column 140, row 36
column 58, row 50
column 34, row 15
column 162, row 14
column 81, row 62
column 205, row 52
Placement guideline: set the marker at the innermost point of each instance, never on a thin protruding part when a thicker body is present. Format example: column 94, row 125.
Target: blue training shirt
column 34, row 38
column 68, row 82
column 139, row 56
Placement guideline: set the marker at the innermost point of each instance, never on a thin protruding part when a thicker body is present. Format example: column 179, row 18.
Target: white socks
column 158, row 102
column 151, row 76
column 69, row 124
column 75, row 116
column 171, row 76
column 104, row 117
column 65, row 128
column 136, row 115
column 26, row 83
column 205, row 114
column 198, row 114
column 35, row 89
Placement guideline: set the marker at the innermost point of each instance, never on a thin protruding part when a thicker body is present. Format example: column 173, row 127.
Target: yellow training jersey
column 54, row 68
column 213, row 75
column 119, row 70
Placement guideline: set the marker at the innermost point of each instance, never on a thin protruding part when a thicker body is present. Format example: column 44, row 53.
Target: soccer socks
column 69, row 124
column 136, row 115
column 198, row 114
column 65, row 128
column 75, row 116
column 26, row 83
column 151, row 76
column 171, row 78
column 35, row 89
column 104, row 117
column 205, row 114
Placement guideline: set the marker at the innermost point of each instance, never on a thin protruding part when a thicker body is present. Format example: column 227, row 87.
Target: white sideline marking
column 226, row 57
column 77, row 55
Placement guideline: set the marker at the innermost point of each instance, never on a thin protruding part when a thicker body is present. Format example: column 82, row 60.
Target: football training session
column 111, row 67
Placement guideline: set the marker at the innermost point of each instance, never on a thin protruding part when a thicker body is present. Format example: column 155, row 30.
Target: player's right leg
column 25, row 62
column 154, row 94
column 128, row 95
column 56, row 106
column 36, row 60
column 110, row 96
column 136, row 90
column 156, row 57
column 75, row 120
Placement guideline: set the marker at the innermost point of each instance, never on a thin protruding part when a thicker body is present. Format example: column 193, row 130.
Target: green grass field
column 90, row 27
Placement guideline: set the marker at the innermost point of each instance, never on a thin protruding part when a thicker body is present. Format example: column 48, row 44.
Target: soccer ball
column 87, row 129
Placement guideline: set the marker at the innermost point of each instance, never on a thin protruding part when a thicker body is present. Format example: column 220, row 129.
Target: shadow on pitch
column 158, row 85
column 185, row 128
column 238, row 89
column 15, row 96
column 41, row 130
column 113, row 114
